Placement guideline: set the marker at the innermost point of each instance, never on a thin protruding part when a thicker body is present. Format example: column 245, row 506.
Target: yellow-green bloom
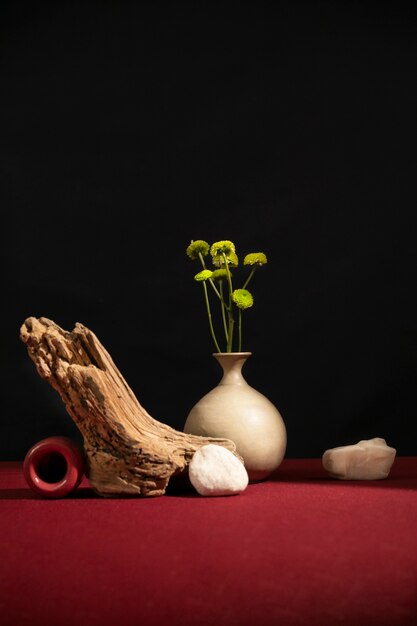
column 220, row 247
column 219, row 275
column 242, row 298
column 255, row 258
column 232, row 260
column 198, row 247
column 203, row 275
column 218, row 284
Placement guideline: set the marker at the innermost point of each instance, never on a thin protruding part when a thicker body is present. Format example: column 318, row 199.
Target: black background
column 130, row 128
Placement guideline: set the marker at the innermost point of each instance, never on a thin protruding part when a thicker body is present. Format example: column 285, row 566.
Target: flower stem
column 200, row 256
column 209, row 317
column 249, row 278
column 216, row 291
column 230, row 339
column 240, row 330
column 223, row 306
column 230, row 307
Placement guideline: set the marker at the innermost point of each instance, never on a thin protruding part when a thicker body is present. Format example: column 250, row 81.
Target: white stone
column 215, row 471
column 369, row 459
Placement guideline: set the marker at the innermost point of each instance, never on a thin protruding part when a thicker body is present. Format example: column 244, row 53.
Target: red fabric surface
column 298, row 549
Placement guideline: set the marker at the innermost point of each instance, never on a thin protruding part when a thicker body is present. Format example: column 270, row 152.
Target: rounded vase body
column 237, row 411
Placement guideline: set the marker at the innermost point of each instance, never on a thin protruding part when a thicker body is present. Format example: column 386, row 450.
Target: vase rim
column 232, row 353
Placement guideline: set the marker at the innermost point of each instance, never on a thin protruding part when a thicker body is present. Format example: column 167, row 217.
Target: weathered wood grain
column 128, row 452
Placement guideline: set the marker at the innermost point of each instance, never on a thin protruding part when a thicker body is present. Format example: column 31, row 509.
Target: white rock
column 215, row 471
column 369, row 459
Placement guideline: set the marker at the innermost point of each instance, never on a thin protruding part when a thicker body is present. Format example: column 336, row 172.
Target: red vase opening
column 54, row 467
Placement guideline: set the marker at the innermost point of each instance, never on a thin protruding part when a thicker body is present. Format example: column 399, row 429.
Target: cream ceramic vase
column 237, row 411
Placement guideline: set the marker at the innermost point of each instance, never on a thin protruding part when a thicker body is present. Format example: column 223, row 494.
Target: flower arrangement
column 220, row 281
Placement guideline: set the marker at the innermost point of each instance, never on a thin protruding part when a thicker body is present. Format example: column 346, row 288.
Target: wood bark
column 128, row 452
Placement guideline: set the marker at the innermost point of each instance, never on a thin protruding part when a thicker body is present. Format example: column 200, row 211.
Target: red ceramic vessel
column 54, row 467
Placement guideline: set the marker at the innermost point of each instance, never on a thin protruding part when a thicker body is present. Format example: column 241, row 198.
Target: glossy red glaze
column 54, row 467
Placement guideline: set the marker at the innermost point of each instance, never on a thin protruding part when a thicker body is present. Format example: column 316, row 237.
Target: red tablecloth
column 298, row 549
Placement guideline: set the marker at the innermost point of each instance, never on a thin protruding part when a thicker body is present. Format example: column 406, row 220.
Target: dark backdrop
column 130, row 128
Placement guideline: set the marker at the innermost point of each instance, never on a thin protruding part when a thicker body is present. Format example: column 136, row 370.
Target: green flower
column 218, row 286
column 255, row 258
column 232, row 260
column 242, row 298
column 198, row 247
column 219, row 275
column 203, row 275
column 220, row 247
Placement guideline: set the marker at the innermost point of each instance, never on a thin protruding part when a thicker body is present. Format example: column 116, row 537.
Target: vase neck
column 232, row 364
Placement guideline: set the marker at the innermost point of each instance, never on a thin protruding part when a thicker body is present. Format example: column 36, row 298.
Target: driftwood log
column 128, row 452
